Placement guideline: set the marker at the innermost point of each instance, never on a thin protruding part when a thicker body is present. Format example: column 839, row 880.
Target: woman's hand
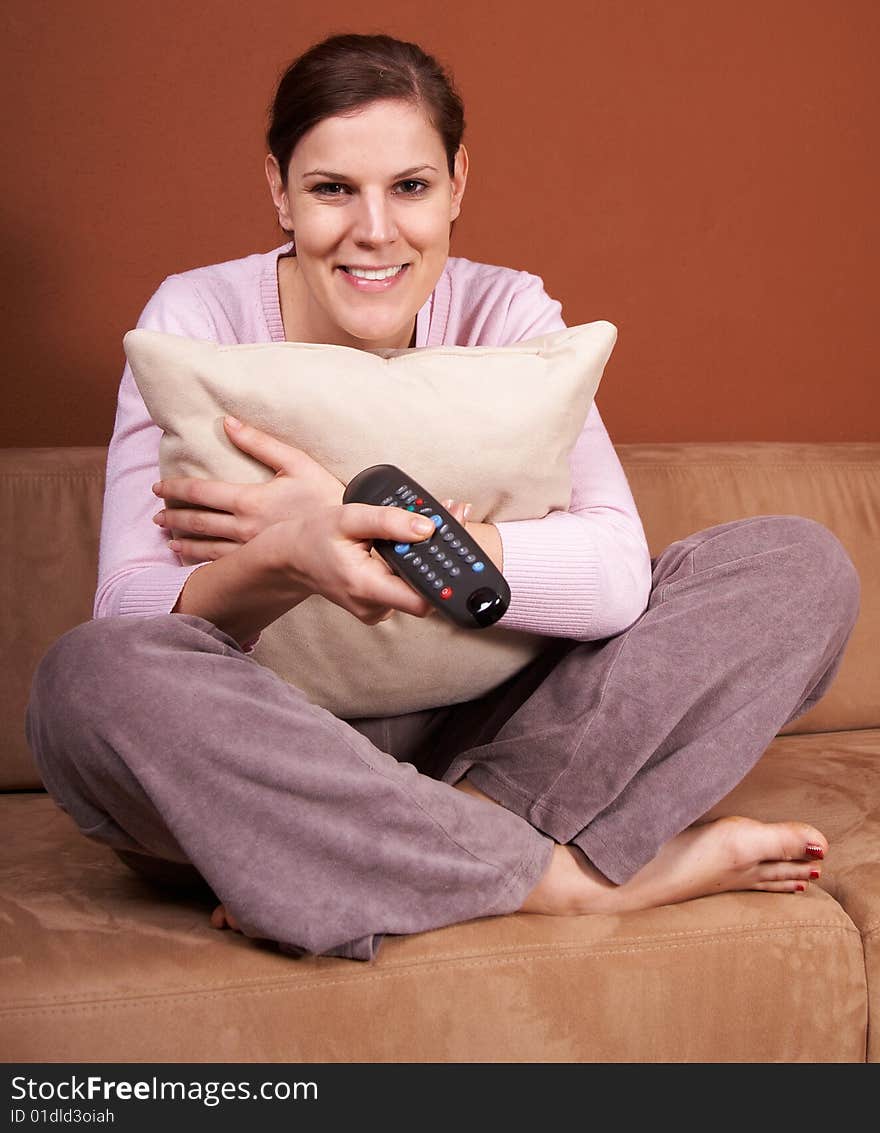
column 239, row 512
column 328, row 551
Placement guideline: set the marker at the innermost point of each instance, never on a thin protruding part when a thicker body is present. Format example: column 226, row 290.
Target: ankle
column 570, row 886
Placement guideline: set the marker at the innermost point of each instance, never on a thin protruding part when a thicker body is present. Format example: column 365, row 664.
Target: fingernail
column 159, row 516
column 157, row 488
column 801, row 888
column 814, row 851
column 467, row 510
column 174, row 544
column 422, row 526
column 814, row 875
column 447, row 504
column 233, row 421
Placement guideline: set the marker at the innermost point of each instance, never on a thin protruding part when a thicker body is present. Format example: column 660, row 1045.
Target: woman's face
column 368, row 192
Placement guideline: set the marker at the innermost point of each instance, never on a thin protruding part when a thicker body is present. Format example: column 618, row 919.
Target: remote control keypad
column 443, row 567
column 438, row 551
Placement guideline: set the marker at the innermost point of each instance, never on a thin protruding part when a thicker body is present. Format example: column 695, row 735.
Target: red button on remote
column 446, row 592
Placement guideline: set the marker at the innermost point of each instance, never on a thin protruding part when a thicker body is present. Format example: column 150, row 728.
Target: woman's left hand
column 238, row 512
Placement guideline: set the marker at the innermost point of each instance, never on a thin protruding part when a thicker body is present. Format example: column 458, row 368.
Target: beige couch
column 99, row 966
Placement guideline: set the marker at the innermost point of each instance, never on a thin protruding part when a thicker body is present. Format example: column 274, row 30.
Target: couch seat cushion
column 98, row 966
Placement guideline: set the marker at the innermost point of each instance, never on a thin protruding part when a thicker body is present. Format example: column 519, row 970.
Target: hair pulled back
column 345, row 72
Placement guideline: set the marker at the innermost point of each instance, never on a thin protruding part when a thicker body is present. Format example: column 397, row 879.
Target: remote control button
column 448, row 537
column 462, row 551
column 416, row 559
column 455, row 572
column 438, row 583
column 402, row 490
column 401, row 548
column 470, row 558
column 485, row 606
column 437, row 520
column 425, row 510
column 478, row 566
column 456, row 543
column 419, row 502
column 447, row 563
column 446, row 592
column 409, row 555
column 423, row 569
column 444, row 527
column 387, row 501
column 431, row 575
column 410, row 508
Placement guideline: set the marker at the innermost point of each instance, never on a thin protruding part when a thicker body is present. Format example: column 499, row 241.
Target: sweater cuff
column 552, row 591
column 155, row 591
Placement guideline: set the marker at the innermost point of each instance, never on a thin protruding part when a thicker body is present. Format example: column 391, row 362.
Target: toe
column 802, row 842
column 791, row 885
column 788, row 871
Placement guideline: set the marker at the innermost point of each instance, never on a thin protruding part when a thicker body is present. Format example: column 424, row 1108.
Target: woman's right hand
column 328, row 551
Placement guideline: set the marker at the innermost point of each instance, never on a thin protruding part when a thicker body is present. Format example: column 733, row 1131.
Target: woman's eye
column 327, row 188
column 412, row 188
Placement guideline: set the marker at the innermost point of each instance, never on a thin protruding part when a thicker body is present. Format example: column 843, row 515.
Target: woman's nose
column 374, row 220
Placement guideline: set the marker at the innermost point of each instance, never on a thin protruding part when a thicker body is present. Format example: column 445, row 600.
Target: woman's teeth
column 384, row 273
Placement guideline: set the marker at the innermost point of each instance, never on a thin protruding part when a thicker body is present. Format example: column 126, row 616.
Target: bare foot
column 728, row 854
column 221, row 919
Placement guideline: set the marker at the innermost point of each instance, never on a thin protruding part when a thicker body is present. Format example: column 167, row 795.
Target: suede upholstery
column 100, row 965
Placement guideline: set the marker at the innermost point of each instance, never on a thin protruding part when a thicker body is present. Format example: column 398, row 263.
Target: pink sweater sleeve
column 584, row 573
column 137, row 572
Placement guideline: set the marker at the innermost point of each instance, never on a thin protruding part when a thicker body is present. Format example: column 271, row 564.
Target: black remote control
column 448, row 568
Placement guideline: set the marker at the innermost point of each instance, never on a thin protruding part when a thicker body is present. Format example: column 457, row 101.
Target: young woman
column 583, row 784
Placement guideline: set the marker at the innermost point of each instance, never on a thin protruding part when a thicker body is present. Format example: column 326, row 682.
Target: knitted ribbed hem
column 269, row 297
column 552, row 591
column 154, row 590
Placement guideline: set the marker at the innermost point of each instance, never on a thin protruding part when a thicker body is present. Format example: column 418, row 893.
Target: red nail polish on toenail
column 801, row 888
column 814, row 851
column 814, row 875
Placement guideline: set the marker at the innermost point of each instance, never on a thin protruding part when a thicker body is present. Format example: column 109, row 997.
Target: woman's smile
column 372, row 280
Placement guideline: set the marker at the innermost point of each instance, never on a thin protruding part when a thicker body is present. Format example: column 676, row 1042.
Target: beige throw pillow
column 491, row 424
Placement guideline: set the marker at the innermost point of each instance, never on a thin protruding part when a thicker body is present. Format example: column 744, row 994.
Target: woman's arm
column 137, row 572
column 584, row 573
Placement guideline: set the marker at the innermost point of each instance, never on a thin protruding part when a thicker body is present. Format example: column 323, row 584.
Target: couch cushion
column 833, row 782
column 97, row 967
column 491, row 424
column 50, row 515
column 682, row 488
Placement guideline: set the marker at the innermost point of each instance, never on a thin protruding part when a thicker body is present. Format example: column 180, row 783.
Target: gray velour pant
column 166, row 742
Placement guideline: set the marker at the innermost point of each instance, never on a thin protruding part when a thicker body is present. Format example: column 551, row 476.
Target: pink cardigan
column 583, row 574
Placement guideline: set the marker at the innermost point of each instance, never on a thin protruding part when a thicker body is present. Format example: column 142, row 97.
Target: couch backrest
column 50, row 508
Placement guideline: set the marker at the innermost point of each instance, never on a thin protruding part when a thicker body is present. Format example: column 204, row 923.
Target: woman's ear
column 279, row 193
column 459, row 180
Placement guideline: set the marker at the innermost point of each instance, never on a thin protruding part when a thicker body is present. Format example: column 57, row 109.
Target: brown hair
column 345, row 72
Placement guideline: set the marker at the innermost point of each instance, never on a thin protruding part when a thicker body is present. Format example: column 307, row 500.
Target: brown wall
column 703, row 173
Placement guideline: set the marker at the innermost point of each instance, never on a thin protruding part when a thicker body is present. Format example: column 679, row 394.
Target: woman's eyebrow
column 343, row 177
